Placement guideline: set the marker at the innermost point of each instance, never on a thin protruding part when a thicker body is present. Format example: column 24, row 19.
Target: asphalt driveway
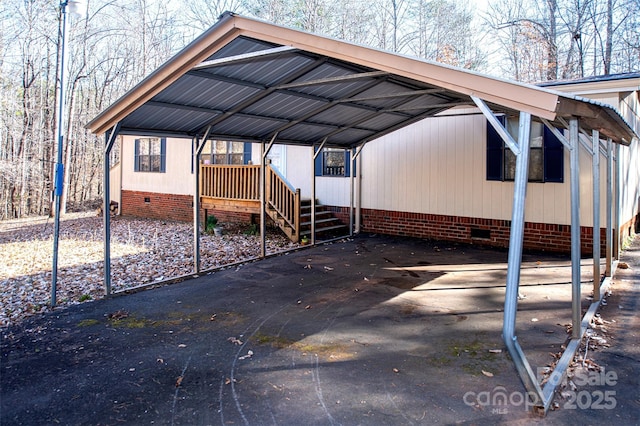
column 373, row 330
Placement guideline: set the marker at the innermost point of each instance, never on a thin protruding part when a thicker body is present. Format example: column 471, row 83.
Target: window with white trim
column 333, row 162
column 226, row 152
column 150, row 155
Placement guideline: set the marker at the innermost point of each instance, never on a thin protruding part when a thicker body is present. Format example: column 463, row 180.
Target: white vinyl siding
column 437, row 166
column 177, row 179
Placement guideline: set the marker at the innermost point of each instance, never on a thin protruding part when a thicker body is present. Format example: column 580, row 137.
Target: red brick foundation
column 157, row 206
column 489, row 232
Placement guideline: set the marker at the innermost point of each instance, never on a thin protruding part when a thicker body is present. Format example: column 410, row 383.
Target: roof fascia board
column 197, row 51
column 605, row 86
column 538, row 102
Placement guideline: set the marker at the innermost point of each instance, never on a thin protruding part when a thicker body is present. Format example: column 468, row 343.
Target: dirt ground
column 371, row 330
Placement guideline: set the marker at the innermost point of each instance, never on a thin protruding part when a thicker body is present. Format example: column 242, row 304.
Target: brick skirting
column 489, row 232
column 156, row 205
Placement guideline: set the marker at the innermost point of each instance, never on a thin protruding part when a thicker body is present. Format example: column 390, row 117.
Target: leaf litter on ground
column 143, row 251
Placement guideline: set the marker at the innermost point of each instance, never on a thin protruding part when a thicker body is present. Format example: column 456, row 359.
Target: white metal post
column 575, row 227
column 609, row 236
column 595, row 138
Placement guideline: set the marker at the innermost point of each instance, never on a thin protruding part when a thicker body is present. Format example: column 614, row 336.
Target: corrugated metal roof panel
column 342, row 115
column 247, row 75
column 249, row 127
column 284, row 106
column 205, row 93
column 267, row 71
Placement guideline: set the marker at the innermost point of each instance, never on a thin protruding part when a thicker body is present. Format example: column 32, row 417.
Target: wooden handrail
column 283, row 199
column 242, row 183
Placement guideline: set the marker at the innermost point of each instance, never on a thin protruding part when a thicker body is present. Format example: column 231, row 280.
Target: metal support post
column 352, row 180
column 263, row 199
column 516, row 239
column 596, row 213
column 110, row 139
column 618, row 200
column 609, row 236
column 59, row 169
column 199, row 146
column 575, row 227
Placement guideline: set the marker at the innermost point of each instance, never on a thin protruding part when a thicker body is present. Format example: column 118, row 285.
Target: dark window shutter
column 347, row 163
column 136, row 156
column 163, row 155
column 495, row 152
column 246, row 153
column 317, row 163
column 553, row 157
column 193, row 153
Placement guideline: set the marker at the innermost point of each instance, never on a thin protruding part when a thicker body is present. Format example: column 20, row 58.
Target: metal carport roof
column 249, row 80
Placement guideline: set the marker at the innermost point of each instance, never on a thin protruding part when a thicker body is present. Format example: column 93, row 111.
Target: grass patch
column 440, row 361
column 278, row 342
column 88, row 322
column 128, row 322
column 333, row 352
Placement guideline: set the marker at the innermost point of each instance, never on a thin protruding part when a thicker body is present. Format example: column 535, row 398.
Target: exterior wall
column 115, row 183
column 177, row 179
column 443, row 172
column 427, row 180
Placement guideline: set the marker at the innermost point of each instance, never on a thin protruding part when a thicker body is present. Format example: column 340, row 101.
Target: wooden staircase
column 237, row 188
column 327, row 225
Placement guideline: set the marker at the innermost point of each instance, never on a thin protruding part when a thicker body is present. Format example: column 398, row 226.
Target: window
column 150, row 155
column 546, row 154
column 226, row 152
column 333, row 162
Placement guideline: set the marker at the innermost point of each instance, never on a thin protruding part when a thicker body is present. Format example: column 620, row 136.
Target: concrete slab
column 373, row 330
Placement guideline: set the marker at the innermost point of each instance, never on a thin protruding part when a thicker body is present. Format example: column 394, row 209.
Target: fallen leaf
column 248, row 355
column 179, row 381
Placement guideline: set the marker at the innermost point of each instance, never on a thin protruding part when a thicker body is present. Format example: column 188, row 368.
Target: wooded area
column 118, row 43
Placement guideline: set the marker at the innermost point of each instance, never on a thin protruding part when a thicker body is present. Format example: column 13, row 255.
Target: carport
column 252, row 81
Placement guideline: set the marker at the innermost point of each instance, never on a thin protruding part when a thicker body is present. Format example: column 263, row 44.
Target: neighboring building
column 443, row 178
